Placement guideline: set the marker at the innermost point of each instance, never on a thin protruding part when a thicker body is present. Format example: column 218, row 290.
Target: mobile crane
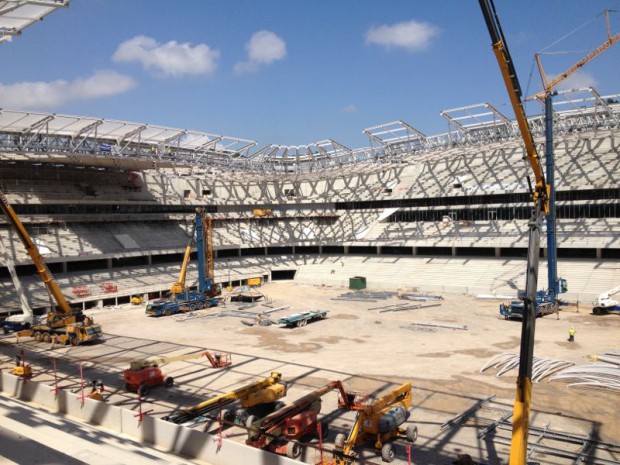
column 182, row 299
column 605, row 304
column 257, row 399
column 63, row 324
column 144, row 374
column 280, row 431
column 380, row 421
column 540, row 198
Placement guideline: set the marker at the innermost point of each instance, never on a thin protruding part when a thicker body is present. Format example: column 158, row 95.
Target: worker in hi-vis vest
column 571, row 334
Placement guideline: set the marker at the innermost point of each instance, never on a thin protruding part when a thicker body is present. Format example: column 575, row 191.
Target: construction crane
column 604, row 302
column 540, row 197
column 143, row 374
column 280, row 431
column 63, row 324
column 558, row 285
column 179, row 286
column 550, row 85
column 207, row 292
column 257, row 399
column 380, row 421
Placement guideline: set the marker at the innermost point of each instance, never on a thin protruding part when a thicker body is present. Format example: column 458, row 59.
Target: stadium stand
column 449, row 212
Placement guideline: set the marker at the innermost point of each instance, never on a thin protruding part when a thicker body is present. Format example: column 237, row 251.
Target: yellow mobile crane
column 64, row 324
column 540, row 197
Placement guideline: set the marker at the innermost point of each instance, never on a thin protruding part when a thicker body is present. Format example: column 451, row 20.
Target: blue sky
column 291, row 72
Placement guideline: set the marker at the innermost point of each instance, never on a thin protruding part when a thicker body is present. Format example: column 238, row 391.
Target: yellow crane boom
column 540, row 194
column 33, row 252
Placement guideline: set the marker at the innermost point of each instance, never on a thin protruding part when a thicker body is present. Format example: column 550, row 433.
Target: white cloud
column 579, row 79
column 264, row 48
column 350, row 109
column 171, row 59
column 46, row 95
column 411, row 35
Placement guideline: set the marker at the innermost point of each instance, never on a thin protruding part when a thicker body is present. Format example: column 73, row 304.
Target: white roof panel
column 16, row 15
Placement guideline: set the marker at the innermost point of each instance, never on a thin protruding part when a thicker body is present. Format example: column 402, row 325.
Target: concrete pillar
column 99, row 304
column 149, row 259
column 379, row 249
column 599, row 253
column 64, row 267
column 109, row 263
column 453, row 251
column 498, row 251
column 414, row 251
column 346, row 250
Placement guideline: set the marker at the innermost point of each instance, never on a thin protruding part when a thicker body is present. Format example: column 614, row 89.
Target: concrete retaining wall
column 167, row 436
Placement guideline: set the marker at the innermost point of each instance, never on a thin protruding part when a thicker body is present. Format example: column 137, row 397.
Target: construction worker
column 571, row 334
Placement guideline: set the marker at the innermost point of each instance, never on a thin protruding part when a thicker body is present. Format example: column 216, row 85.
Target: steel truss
column 87, row 140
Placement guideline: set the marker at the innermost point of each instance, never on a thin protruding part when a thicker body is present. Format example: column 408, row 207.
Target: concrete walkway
column 33, row 436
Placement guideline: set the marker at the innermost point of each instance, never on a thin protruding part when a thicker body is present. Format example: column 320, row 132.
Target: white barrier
column 159, row 433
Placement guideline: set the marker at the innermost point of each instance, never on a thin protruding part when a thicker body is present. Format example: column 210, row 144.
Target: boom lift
column 182, row 299
column 540, row 197
column 380, row 421
column 257, row 399
column 604, row 302
column 280, row 431
column 144, row 374
column 63, row 324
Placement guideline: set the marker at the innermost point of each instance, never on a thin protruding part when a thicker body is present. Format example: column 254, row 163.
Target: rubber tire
column 47, row 337
column 241, row 416
column 192, row 307
column 341, row 438
column 168, row 312
column 38, row 336
column 412, row 433
column 250, row 420
column 278, row 405
column 169, row 381
column 228, row 415
column 74, row 341
column 143, row 391
column 387, row 452
column 293, row 450
column 127, row 387
column 200, row 306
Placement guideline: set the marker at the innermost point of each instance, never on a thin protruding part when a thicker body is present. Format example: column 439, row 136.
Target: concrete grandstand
column 110, row 203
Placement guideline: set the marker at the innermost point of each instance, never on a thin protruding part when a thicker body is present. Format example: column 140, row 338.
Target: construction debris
column 402, row 307
column 541, row 367
column 364, row 296
column 415, row 325
column 418, row 297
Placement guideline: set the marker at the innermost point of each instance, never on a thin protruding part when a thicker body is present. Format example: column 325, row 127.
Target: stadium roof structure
column 48, row 137
column 17, row 15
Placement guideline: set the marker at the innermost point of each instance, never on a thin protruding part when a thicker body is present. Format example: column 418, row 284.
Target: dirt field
column 369, row 350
